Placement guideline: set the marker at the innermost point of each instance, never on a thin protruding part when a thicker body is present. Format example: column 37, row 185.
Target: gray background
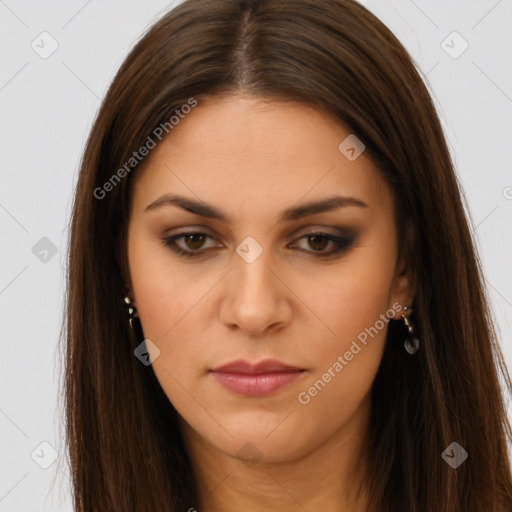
column 47, row 106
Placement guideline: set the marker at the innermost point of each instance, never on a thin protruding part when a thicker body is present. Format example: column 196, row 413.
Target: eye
column 319, row 241
column 194, row 242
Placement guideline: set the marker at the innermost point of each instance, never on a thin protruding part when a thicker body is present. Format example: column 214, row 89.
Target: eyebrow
column 290, row 214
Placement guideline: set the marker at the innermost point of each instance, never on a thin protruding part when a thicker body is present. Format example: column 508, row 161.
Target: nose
column 256, row 299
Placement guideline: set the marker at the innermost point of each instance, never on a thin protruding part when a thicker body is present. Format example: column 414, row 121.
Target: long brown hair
column 125, row 447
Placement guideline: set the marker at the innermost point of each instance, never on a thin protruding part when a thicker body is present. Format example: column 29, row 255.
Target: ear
column 404, row 284
column 126, row 279
column 128, row 290
column 402, row 292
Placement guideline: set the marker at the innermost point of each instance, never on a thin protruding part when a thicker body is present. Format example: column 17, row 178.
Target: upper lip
column 265, row 366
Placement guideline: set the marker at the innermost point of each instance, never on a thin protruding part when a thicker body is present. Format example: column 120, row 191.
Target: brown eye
column 193, row 243
column 320, row 241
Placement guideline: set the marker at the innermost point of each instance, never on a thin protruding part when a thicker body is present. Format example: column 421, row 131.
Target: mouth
column 256, row 379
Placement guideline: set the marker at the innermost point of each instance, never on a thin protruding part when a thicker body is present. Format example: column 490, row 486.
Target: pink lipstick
column 256, row 379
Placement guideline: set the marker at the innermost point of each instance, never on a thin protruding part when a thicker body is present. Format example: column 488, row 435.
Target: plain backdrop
column 47, row 104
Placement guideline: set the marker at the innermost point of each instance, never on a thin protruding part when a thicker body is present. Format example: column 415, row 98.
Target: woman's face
column 270, row 270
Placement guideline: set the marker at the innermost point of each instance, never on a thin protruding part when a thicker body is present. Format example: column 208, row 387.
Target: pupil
column 190, row 238
column 315, row 239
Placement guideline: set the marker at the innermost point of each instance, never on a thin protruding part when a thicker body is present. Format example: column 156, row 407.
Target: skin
column 253, row 159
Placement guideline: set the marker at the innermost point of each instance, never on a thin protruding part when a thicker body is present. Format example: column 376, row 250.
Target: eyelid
column 340, row 232
column 342, row 241
column 315, row 229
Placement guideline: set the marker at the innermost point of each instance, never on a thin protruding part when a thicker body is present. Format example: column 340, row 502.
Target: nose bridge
column 253, row 277
column 256, row 297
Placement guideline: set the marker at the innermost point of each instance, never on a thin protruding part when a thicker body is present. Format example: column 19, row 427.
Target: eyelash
column 341, row 244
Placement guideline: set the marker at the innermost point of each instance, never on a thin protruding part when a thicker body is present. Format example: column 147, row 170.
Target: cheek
column 162, row 296
column 345, row 363
column 352, row 304
column 170, row 303
column 352, row 298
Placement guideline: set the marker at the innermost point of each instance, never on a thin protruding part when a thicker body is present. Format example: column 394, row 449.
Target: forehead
column 246, row 152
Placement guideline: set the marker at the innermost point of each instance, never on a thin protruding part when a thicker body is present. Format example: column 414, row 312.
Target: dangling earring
column 411, row 343
column 134, row 320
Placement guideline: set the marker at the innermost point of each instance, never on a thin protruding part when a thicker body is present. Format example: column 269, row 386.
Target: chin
column 253, row 444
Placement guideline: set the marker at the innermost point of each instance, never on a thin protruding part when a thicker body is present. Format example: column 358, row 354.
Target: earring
column 134, row 320
column 411, row 343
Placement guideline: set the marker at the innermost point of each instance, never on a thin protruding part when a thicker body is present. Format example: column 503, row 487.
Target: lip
column 256, row 379
column 248, row 368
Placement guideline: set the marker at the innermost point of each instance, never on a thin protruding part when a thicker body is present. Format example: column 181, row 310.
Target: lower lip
column 256, row 384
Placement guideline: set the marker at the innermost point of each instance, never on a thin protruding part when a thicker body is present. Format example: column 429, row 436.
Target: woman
column 274, row 300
